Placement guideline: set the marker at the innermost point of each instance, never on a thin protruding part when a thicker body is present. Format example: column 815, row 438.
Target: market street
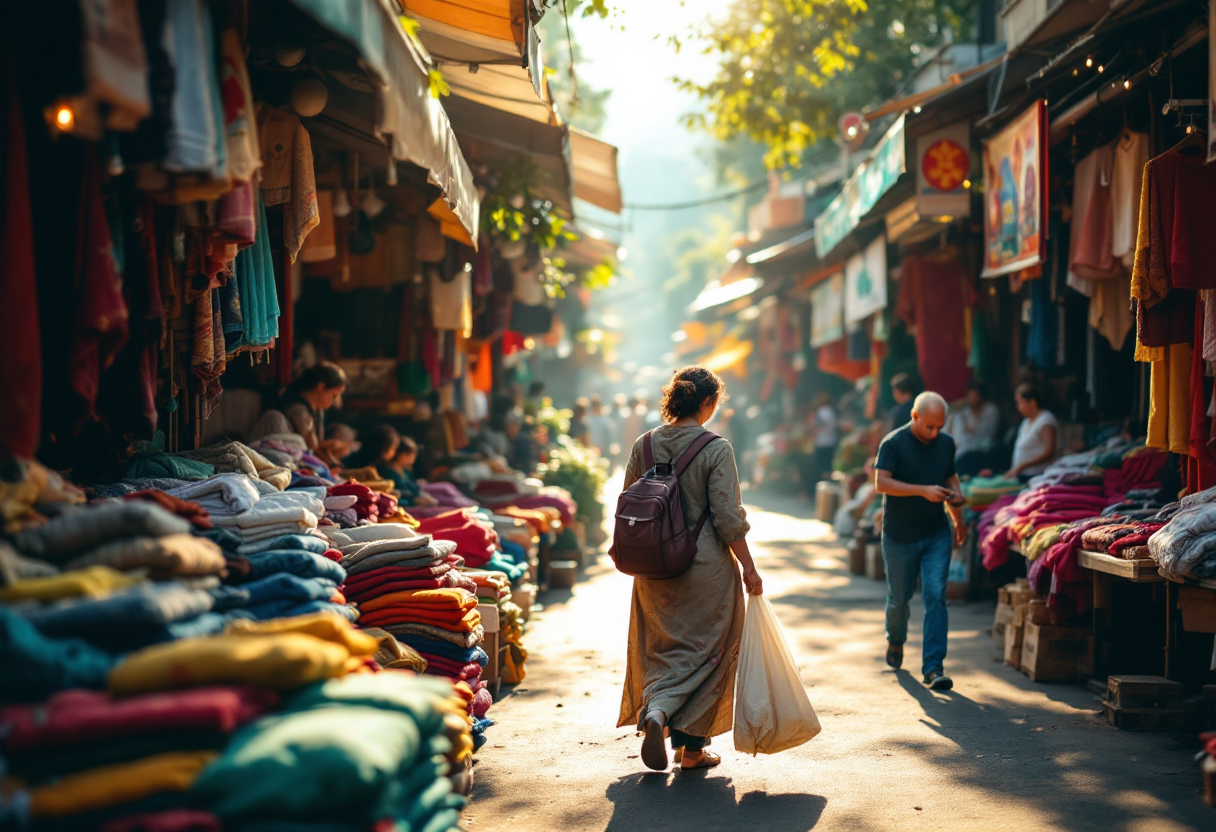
column 999, row 752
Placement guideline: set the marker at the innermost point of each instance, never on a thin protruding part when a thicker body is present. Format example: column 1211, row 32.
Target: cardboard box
column 1004, row 617
column 1198, row 607
column 1038, row 613
column 1021, row 597
column 1054, row 654
column 1013, row 645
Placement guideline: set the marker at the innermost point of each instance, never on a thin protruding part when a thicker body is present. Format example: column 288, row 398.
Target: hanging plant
column 511, row 212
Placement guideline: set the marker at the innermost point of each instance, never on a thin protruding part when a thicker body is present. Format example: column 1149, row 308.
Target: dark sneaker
column 937, row 680
column 895, row 655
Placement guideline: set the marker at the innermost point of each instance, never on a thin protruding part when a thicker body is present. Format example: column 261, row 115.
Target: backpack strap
column 647, row 451
column 690, row 453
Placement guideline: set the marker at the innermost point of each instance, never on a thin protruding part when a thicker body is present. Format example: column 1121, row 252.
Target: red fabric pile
column 371, row 505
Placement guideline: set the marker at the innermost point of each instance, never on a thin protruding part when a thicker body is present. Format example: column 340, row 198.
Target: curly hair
column 689, row 389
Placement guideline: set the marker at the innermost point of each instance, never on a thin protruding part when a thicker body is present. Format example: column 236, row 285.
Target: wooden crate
column 1004, row 617
column 1038, row 613
column 1143, row 692
column 1054, row 654
column 1013, row 645
column 1149, row 719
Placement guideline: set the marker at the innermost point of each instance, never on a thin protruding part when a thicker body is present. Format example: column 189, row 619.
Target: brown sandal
column 708, row 760
column 654, row 747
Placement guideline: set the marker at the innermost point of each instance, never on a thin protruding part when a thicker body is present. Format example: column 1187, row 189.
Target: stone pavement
column 999, row 752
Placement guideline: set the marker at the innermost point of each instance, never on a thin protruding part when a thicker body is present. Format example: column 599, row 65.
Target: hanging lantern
column 309, row 96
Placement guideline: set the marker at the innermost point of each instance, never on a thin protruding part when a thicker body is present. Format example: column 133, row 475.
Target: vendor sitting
column 301, row 408
column 1037, row 444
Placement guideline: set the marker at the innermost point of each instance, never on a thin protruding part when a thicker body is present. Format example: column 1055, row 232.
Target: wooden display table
column 1143, row 571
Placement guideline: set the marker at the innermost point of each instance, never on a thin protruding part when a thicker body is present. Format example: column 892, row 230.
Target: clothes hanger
column 1193, row 143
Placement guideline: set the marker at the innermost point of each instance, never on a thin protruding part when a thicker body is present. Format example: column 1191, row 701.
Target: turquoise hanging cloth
column 255, row 279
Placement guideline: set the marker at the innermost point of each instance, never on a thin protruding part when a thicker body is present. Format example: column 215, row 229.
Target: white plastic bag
column 772, row 711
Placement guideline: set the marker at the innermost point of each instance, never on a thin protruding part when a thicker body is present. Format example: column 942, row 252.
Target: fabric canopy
column 595, row 172
column 479, row 32
column 414, row 123
column 492, row 137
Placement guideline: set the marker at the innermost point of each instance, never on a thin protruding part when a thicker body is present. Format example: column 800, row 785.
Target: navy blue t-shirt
column 907, row 519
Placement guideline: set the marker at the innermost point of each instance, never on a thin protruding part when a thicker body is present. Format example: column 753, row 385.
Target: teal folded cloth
column 158, row 464
column 356, row 750
column 35, row 666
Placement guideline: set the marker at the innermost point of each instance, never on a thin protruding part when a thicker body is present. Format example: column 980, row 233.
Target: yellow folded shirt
column 319, row 625
column 278, row 661
column 93, row 582
column 100, row 788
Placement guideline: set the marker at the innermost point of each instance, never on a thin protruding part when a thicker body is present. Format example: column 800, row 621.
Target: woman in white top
column 1037, row 444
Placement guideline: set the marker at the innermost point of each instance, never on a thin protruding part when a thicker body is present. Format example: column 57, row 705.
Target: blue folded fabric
column 225, row 537
column 35, row 666
column 278, row 595
column 297, row 562
column 312, row 607
column 445, row 649
column 499, row 563
column 124, row 621
column 514, row 552
column 302, row 542
column 207, row 624
column 228, row 598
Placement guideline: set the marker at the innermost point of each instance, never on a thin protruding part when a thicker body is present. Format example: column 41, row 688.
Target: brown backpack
column 651, row 539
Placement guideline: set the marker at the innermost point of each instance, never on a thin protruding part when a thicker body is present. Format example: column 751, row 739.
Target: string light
column 65, row 118
column 967, row 184
column 1075, row 73
column 1101, row 69
column 1089, row 62
column 1127, row 83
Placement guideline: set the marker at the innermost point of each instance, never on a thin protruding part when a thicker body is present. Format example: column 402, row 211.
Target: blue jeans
column 931, row 557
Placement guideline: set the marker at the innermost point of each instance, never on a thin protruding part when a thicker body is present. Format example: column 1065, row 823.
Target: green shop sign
column 861, row 191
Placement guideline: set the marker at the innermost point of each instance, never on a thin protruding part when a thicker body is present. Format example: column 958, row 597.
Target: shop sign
column 866, row 282
column 943, row 166
column 862, row 190
column 827, row 310
column 1015, row 179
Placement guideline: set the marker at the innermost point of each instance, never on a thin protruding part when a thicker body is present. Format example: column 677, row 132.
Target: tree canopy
column 789, row 68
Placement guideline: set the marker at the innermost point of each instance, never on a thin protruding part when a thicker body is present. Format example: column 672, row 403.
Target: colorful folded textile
column 36, row 666
column 77, row 717
column 78, row 531
column 119, row 784
column 163, row 557
column 123, row 621
column 195, row 513
column 91, row 582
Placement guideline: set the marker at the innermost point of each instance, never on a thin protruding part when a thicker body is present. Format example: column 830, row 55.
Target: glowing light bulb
column 1089, row 62
column 1101, row 68
column 967, row 184
column 1127, row 83
column 65, row 118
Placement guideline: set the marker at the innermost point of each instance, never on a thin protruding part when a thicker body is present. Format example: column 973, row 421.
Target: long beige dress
column 684, row 633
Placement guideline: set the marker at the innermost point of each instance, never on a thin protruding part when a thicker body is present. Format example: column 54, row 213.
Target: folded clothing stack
column 370, row 504
column 356, row 753
column 224, row 495
column 131, row 755
column 475, row 539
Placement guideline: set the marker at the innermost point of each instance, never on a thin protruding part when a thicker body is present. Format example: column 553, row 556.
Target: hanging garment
column 1090, row 255
column 1131, row 155
column 1044, row 325
column 934, row 294
column 1084, row 176
column 451, row 299
column 20, row 367
column 115, row 64
column 1110, row 309
column 1169, row 413
column 1175, row 246
column 259, row 300
column 240, row 120
column 288, row 177
column 99, row 329
column 194, row 135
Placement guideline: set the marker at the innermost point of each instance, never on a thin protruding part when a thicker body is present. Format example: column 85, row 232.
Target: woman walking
column 684, row 632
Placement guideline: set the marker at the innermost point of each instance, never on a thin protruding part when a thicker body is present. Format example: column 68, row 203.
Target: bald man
column 915, row 473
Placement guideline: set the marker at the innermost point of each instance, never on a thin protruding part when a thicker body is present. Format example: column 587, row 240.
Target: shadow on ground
column 705, row 801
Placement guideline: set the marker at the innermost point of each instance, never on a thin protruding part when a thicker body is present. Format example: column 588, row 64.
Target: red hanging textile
column 99, row 330
column 21, row 364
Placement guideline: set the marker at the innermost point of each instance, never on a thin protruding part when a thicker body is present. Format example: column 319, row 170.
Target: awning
column 590, row 249
column 494, row 138
column 414, row 122
column 595, row 171
column 862, row 190
column 479, row 33
column 507, row 88
column 899, row 105
column 716, row 294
